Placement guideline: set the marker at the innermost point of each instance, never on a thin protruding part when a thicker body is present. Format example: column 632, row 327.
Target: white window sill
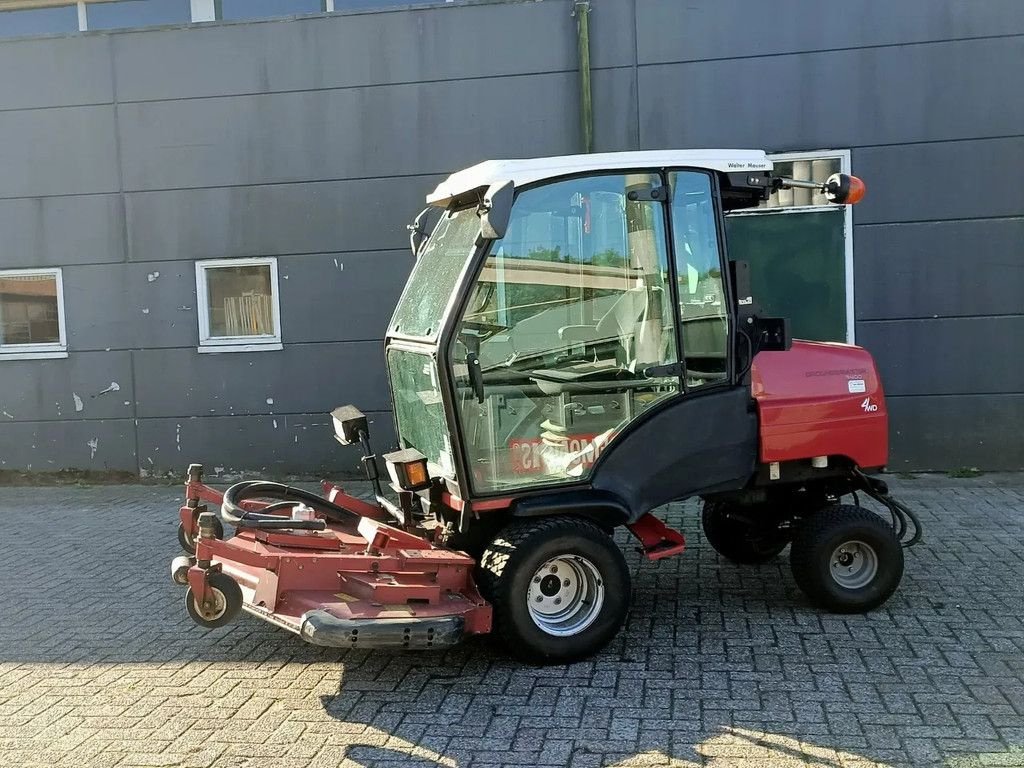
column 213, row 349
column 39, row 354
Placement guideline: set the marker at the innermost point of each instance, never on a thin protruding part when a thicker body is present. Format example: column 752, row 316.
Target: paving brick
column 719, row 665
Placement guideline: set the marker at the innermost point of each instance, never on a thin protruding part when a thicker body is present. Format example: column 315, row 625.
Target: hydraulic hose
column 902, row 516
column 231, row 510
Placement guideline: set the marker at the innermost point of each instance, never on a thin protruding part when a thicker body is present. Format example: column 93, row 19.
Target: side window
column 239, row 308
column 564, row 333
column 702, row 302
column 32, row 314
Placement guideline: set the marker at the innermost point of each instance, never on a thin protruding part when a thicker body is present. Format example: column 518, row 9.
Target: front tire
column 559, row 586
column 846, row 559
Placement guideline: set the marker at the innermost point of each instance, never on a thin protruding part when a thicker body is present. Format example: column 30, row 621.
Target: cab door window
column 703, row 308
column 567, row 334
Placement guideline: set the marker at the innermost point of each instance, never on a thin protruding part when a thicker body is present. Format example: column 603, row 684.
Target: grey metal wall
column 314, row 140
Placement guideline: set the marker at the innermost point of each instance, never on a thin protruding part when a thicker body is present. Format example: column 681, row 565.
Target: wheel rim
column 565, row 596
column 213, row 608
column 853, row 564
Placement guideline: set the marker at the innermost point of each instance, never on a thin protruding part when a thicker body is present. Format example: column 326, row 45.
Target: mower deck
column 369, row 584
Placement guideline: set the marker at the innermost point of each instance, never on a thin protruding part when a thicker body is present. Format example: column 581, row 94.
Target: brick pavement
column 719, row 665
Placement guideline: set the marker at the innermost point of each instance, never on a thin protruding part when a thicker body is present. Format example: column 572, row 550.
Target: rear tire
column 740, row 541
column 559, row 587
column 846, row 559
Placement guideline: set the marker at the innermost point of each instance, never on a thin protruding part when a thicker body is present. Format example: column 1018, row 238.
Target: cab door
column 705, row 440
column 568, row 333
column 700, row 268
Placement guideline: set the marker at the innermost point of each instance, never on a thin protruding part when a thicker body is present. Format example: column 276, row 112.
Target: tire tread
column 806, row 549
column 496, row 566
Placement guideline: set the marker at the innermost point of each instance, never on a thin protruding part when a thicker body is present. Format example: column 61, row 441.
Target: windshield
column 419, row 411
column 437, row 270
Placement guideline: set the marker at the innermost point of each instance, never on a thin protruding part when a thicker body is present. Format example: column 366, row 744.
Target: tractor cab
column 560, row 301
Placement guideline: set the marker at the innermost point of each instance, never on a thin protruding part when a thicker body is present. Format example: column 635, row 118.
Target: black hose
column 231, row 510
column 750, row 354
column 902, row 515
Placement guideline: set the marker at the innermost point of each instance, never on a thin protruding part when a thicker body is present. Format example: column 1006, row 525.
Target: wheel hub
column 565, row 595
column 550, row 585
column 214, row 606
column 853, row 564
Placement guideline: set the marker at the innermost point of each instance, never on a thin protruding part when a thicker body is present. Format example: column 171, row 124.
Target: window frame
column 843, row 156
column 215, row 344
column 45, row 351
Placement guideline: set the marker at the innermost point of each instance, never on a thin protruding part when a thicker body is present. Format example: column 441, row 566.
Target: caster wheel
column 179, row 569
column 223, row 605
column 188, row 541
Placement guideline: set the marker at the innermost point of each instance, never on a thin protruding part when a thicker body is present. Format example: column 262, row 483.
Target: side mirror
column 496, row 210
column 349, row 422
column 419, row 232
column 843, row 189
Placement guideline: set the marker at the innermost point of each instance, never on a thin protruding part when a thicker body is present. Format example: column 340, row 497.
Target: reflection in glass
column 240, row 301
column 563, row 334
column 138, row 13
column 702, row 303
column 28, row 310
column 265, row 9
column 39, row 21
column 437, row 270
column 806, row 170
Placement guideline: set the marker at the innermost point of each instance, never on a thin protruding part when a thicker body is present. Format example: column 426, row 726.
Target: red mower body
column 371, row 584
column 820, row 399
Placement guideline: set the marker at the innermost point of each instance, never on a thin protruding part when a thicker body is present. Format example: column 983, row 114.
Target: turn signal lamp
column 843, row 189
column 408, row 469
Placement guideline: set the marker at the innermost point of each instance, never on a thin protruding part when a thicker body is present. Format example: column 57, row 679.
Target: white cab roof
column 522, row 172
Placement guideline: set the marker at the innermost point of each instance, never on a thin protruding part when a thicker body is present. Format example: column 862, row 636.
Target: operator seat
column 625, row 322
column 593, row 398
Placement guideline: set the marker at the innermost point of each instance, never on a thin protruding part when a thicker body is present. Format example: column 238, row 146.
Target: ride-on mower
column 573, row 349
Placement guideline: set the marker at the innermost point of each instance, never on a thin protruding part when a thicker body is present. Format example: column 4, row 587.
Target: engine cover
column 820, row 399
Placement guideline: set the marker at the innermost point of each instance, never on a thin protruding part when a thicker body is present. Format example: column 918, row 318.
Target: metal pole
column 581, row 10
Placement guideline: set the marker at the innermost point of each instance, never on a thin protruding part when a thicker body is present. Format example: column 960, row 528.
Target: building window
column 138, row 13
column 39, row 21
column 800, row 250
column 263, row 9
column 239, row 309
column 32, row 314
column 809, row 168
